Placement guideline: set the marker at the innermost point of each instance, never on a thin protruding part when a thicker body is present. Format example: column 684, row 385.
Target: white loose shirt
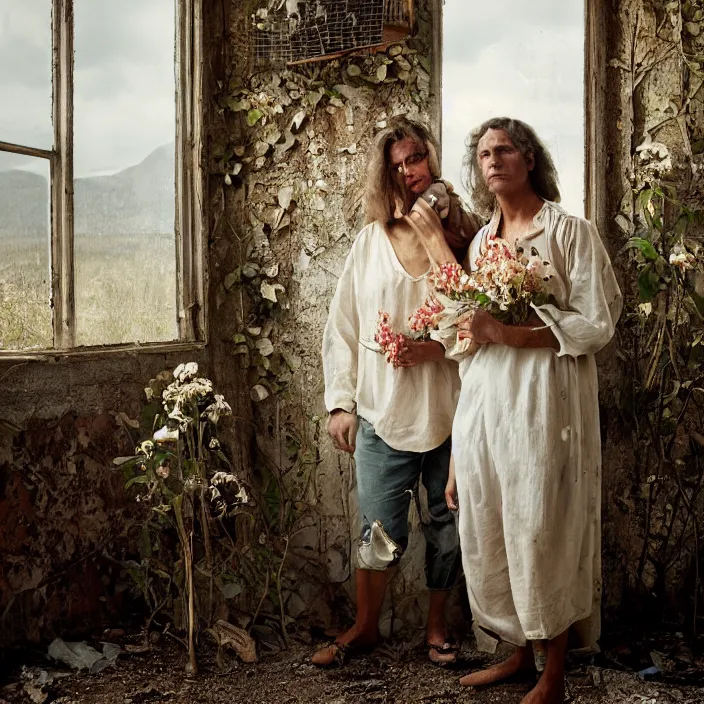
column 411, row 409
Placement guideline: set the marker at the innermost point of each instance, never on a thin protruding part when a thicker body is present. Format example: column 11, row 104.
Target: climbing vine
column 272, row 110
column 662, row 327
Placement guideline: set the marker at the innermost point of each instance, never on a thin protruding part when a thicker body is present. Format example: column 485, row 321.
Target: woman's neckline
column 396, row 262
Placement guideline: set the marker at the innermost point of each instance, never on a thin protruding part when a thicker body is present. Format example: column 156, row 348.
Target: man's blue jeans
column 386, row 480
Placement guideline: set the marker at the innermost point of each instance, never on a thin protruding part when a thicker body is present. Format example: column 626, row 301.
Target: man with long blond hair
column 396, row 421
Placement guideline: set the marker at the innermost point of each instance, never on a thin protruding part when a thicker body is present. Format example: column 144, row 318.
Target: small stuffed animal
column 460, row 225
column 438, row 198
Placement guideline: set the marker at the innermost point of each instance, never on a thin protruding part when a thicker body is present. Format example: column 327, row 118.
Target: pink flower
column 425, row 319
column 392, row 344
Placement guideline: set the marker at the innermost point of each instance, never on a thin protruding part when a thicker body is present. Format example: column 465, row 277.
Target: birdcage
column 288, row 32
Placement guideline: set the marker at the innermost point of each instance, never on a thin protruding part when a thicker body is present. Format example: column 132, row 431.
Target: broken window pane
column 25, row 73
column 124, row 136
column 25, row 289
column 522, row 60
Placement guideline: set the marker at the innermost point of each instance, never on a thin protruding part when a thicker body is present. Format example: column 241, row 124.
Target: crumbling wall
column 63, row 514
column 650, row 132
column 290, row 156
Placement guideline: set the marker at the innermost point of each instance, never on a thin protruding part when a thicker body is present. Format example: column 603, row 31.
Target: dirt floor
column 397, row 673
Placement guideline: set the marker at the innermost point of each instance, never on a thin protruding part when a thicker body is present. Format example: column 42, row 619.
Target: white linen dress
column 527, row 452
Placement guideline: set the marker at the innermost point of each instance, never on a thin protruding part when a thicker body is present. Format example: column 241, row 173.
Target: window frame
column 596, row 161
column 188, row 195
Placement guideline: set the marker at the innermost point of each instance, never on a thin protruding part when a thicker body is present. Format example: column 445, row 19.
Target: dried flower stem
column 192, row 667
column 278, row 591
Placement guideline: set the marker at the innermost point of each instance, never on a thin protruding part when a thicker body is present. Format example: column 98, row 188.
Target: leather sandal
column 437, row 654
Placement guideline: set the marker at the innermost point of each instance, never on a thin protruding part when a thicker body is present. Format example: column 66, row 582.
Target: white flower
column 186, row 371
column 645, row 308
column 227, row 487
column 681, row 258
column 146, row 448
column 218, row 408
column 166, row 434
column 163, row 471
column 179, row 392
column 214, row 444
column 177, row 415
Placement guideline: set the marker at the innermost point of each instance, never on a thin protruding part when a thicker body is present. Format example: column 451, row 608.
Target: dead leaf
column 229, row 636
column 285, row 196
column 258, row 393
column 298, row 120
column 265, row 347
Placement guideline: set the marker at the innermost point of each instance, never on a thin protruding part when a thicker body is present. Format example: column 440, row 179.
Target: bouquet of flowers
column 506, row 284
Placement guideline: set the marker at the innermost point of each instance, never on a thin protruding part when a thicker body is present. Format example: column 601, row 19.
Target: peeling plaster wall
column 295, row 202
column 63, row 512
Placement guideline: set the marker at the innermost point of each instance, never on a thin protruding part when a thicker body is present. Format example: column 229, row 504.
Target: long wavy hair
column 543, row 177
column 384, row 191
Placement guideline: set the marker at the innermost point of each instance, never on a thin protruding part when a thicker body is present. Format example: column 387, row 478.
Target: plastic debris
column 81, row 656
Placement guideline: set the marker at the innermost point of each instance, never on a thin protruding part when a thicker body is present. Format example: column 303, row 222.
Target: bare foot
column 351, row 638
column 549, row 690
column 520, row 662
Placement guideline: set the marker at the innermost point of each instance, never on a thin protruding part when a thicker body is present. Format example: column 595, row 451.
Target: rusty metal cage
column 288, row 32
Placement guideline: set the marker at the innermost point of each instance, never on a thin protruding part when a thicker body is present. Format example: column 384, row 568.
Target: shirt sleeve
column 594, row 299
column 340, row 343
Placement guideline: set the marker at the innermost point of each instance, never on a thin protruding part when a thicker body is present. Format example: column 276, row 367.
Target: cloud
column 470, row 26
column 25, row 74
column 525, row 69
column 124, row 99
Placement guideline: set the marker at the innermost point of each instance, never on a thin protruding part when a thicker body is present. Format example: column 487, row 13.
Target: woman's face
column 504, row 168
column 409, row 161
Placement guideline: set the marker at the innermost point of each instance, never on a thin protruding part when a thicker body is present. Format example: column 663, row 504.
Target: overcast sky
column 502, row 57
column 124, row 80
column 517, row 59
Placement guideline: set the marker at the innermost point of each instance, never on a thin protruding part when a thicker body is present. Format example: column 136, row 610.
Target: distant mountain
column 137, row 200
column 24, row 205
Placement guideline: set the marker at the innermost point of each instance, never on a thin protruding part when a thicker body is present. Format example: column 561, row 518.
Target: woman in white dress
column 526, row 445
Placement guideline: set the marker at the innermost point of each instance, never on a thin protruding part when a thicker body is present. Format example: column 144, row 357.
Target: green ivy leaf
column 238, row 105
column 648, row 283
column 646, row 247
column 253, row 116
column 139, row 479
column 482, row 299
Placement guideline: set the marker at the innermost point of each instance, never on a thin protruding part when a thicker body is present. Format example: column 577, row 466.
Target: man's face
column 504, row 168
column 409, row 163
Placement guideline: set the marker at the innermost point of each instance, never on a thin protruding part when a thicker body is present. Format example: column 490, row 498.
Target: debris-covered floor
column 395, row 673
